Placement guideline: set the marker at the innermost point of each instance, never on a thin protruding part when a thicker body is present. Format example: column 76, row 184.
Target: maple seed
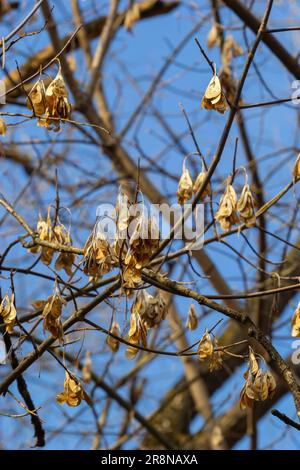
column 8, row 312
column 259, row 385
column 214, row 97
column 137, row 335
column 73, row 392
column 296, row 169
column 185, row 186
column 199, row 180
column 226, row 214
column 36, row 100
column 3, row 127
column 192, row 321
column 296, row 322
column 245, row 206
column 112, row 342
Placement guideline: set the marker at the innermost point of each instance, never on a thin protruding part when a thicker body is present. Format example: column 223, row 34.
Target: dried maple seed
column 213, row 37
column 245, row 206
column 8, row 312
column 199, row 180
column 52, row 309
column 185, row 186
column 296, row 169
column 137, row 335
column 296, row 322
column 36, row 100
column 192, row 320
column 3, row 127
column 150, row 310
column 226, row 214
column 73, row 393
column 259, row 385
column 214, row 97
column 112, row 342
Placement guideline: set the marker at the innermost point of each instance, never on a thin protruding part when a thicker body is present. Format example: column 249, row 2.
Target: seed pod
column 3, row 127
column 214, row 97
column 199, row 180
column 192, row 321
column 73, row 392
column 245, row 206
column 226, row 214
column 113, row 343
column 185, row 186
column 36, row 100
column 8, row 312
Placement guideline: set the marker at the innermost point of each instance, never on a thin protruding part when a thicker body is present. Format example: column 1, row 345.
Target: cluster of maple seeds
column 54, row 232
column 51, row 312
column 259, row 384
column 229, row 206
column 50, row 105
column 130, row 251
column 186, row 187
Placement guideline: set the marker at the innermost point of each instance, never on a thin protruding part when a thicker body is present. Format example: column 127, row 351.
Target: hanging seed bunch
column 73, row 393
column 150, row 309
column 48, row 230
column 50, row 105
column 137, row 335
column 112, row 342
column 98, row 256
column 296, row 322
column 8, row 312
column 207, row 351
column 185, row 186
column 52, row 310
column 192, row 320
column 214, row 97
column 227, row 212
column 142, row 244
column 259, row 384
column 245, row 206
